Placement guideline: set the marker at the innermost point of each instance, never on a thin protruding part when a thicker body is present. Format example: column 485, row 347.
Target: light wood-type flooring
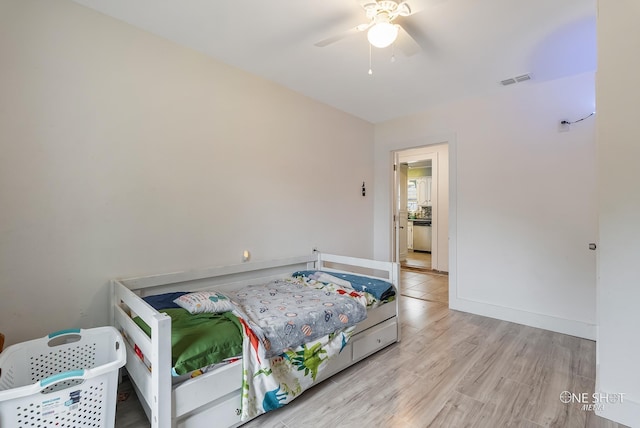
column 417, row 259
column 451, row 369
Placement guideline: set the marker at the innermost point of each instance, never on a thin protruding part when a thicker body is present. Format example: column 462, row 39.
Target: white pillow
column 205, row 301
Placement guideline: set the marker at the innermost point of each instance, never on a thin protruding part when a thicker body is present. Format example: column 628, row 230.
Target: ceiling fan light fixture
column 382, row 34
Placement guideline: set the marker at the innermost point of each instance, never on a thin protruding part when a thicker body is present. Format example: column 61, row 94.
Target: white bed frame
column 215, row 395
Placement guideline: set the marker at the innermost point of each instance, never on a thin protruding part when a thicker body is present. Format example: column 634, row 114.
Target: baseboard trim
column 625, row 413
column 546, row 322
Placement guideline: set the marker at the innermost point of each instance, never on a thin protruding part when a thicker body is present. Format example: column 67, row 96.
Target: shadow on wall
column 568, row 51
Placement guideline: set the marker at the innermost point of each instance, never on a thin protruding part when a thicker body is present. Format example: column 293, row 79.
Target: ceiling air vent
column 517, row 79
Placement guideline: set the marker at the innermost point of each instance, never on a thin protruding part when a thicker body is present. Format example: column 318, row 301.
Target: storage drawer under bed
column 375, row 338
column 224, row 413
column 207, row 388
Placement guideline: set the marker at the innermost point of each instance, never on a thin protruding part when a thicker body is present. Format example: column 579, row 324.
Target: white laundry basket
column 68, row 379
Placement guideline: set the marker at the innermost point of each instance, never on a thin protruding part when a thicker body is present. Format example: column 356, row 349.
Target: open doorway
column 421, row 207
column 421, row 212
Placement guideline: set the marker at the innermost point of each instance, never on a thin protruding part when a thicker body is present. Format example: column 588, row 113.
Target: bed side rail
column 148, row 359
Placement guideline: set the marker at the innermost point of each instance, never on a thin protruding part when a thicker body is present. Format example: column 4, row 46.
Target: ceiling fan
column 381, row 29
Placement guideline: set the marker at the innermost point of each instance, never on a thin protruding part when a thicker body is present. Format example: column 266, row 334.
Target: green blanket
column 200, row 340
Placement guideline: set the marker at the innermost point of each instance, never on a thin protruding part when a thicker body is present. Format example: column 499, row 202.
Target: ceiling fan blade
column 405, row 43
column 424, row 40
column 403, row 9
column 351, row 32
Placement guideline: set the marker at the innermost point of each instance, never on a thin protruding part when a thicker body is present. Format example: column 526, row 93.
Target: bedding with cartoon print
column 270, row 383
column 291, row 331
column 286, row 313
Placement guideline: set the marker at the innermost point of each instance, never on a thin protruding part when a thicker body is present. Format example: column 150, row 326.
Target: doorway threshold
column 423, row 269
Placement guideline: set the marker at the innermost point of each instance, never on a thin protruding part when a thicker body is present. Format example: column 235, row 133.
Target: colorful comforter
column 286, row 313
column 270, row 383
column 275, row 370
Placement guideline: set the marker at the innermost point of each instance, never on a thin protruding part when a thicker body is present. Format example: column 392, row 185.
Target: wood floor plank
column 506, row 405
column 419, row 313
column 583, row 362
column 459, row 411
column 439, row 373
column 548, row 410
column 530, row 356
column 358, row 398
column 489, row 369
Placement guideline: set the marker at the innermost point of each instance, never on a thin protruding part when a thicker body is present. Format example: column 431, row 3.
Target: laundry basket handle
column 60, row 376
column 62, row 332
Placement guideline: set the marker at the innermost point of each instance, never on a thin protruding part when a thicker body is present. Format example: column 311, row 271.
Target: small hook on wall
column 364, row 190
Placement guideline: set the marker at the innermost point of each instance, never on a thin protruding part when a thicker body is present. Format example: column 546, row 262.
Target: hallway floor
column 420, row 282
column 417, row 259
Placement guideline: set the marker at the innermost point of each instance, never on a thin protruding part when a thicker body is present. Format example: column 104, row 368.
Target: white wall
column 523, row 201
column 120, row 155
column 618, row 347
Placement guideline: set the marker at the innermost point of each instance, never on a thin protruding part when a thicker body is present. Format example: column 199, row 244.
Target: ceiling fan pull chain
column 370, row 70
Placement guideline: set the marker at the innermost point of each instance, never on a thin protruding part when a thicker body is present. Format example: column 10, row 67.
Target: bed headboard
column 233, row 276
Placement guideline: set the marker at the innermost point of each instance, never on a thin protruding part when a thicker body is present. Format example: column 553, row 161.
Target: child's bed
column 177, row 396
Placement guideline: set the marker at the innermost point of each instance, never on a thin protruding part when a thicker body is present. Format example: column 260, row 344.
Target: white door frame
column 395, row 219
column 399, row 157
column 450, row 140
column 397, row 212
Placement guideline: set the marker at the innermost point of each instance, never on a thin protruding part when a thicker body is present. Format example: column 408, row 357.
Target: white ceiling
column 468, row 46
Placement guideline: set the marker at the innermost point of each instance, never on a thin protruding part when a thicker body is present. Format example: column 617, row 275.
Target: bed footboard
column 388, row 271
column 146, row 356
